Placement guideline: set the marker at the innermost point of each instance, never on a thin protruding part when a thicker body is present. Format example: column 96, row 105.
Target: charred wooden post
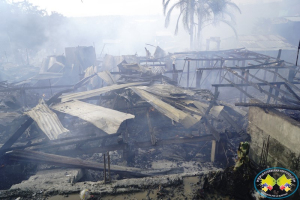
column 152, row 137
column 277, row 92
column 242, row 81
column 198, row 78
column 241, row 93
column 247, row 79
column 188, row 75
column 274, row 76
column 271, row 89
column 108, row 166
column 175, row 73
column 23, row 95
column 104, row 170
column 50, row 87
column 221, row 71
column 232, row 77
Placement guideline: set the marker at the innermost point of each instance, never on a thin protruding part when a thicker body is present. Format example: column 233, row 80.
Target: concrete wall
column 284, row 143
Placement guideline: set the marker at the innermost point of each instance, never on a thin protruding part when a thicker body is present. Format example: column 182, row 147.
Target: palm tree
column 207, row 12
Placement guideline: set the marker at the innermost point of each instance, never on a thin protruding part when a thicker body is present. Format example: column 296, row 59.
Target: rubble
column 146, row 123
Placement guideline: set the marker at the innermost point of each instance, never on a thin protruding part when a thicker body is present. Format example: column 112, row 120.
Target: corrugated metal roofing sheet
column 106, row 119
column 173, row 113
column 264, row 42
column 47, row 120
column 96, row 92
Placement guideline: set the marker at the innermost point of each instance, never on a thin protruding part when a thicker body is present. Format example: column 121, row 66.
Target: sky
column 85, row 8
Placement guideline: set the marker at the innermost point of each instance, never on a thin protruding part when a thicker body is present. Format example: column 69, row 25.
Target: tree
column 201, row 13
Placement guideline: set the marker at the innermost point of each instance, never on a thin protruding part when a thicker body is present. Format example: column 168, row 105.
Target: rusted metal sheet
column 47, row 120
column 106, row 119
column 96, row 92
column 173, row 113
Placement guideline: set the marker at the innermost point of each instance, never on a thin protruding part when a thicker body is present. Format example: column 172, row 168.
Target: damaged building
column 115, row 107
column 158, row 122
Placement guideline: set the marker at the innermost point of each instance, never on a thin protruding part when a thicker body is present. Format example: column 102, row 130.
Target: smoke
column 28, row 27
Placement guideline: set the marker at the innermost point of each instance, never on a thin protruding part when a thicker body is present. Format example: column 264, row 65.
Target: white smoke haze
column 119, row 27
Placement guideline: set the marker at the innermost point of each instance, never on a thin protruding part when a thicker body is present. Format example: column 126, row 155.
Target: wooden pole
column 104, row 170
column 274, row 76
column 188, row 75
column 298, row 53
column 108, row 165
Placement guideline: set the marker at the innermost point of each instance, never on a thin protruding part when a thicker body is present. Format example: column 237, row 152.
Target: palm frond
column 230, row 25
column 167, row 20
column 233, row 5
column 176, row 29
column 230, row 15
column 165, row 5
column 185, row 20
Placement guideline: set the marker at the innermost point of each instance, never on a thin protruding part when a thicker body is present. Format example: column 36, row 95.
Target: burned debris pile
column 137, row 121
